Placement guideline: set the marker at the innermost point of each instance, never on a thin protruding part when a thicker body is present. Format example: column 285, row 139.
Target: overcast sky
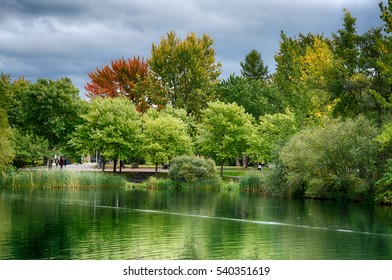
column 70, row 38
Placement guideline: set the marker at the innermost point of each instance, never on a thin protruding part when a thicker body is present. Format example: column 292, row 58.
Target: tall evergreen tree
column 253, row 67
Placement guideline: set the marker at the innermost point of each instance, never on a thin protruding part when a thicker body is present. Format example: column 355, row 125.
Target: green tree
column 114, row 135
column 225, row 131
column 6, row 145
column 273, row 131
column 176, row 113
column 375, row 68
column 187, row 70
column 385, row 137
column 6, row 94
column 386, row 15
column 346, row 43
column 348, row 85
column 301, row 66
column 256, row 97
column 29, row 148
column 164, row 137
column 49, row 110
column 360, row 82
column 253, row 67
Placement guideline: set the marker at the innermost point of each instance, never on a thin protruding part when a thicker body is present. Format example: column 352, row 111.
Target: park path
column 90, row 166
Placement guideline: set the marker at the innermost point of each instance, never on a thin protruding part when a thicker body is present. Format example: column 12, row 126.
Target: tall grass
column 157, row 183
column 60, row 179
column 252, row 182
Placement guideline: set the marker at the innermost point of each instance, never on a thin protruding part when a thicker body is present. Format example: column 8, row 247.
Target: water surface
column 138, row 224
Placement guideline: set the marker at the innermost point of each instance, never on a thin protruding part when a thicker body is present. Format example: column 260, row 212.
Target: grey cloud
column 51, row 39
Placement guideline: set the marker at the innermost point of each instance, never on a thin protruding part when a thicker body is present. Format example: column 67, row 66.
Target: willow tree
column 187, row 70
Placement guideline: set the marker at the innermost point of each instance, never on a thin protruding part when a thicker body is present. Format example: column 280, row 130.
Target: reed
column 252, row 182
column 165, row 184
column 60, row 179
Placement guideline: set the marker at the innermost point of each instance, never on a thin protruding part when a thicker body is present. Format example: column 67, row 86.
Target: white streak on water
column 241, row 220
column 259, row 222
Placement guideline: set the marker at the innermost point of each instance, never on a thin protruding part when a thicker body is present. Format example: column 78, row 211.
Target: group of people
column 61, row 161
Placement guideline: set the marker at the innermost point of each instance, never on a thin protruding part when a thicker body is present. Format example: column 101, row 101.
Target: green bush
column 191, row 169
column 276, row 182
column 384, row 197
column 335, row 160
column 384, row 186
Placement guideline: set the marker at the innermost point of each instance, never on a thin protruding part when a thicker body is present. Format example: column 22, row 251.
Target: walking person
column 62, row 162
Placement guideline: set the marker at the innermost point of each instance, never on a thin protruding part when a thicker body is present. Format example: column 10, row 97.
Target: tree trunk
column 114, row 165
column 237, row 161
column 103, row 165
column 50, row 162
column 221, row 171
column 244, row 161
column 121, row 165
column 156, row 169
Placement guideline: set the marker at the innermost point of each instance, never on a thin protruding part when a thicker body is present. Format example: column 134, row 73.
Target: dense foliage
column 225, row 132
column 111, row 126
column 187, row 70
column 164, row 137
column 191, row 168
column 322, row 122
column 332, row 161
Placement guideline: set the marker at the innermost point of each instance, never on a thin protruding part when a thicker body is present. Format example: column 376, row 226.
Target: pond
column 186, row 224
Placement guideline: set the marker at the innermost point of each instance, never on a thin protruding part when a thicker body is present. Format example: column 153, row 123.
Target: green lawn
column 229, row 171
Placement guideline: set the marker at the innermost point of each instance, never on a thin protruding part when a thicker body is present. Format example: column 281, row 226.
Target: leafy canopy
column 164, row 137
column 335, row 160
column 111, row 126
column 47, row 109
column 187, row 70
column 225, row 131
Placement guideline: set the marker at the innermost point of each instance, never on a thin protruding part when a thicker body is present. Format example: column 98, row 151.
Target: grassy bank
column 60, row 179
column 216, row 184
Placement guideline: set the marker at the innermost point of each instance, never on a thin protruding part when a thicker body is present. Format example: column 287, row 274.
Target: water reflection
column 135, row 224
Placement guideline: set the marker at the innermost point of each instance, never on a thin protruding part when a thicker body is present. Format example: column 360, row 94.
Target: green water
column 135, row 224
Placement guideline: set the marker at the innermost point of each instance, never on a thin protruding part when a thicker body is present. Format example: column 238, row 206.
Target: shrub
column 385, row 197
column 191, row 169
column 332, row 161
column 276, row 181
column 384, row 186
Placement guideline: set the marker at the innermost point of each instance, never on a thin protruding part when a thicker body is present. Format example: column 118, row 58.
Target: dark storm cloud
column 52, row 39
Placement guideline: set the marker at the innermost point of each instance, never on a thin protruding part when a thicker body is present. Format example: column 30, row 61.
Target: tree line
column 322, row 121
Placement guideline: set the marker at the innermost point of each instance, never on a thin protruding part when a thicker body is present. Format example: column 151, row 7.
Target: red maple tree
column 124, row 77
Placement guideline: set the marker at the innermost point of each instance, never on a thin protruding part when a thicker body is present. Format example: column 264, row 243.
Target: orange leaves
column 119, row 79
